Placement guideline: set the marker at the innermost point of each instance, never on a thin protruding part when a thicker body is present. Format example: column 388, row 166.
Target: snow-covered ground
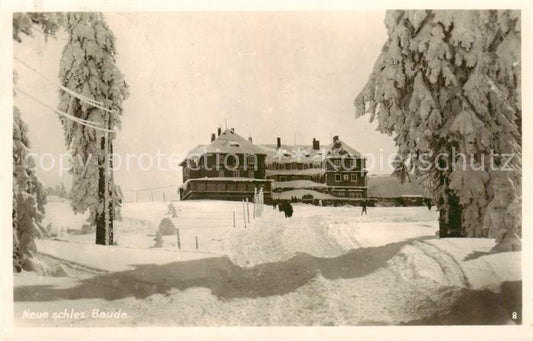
column 323, row 266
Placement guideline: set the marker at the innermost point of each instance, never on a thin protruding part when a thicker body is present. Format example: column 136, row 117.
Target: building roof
column 294, row 153
column 306, row 153
column 228, row 142
column 341, row 149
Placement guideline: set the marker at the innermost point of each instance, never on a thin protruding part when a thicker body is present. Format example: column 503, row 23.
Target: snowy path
column 324, row 266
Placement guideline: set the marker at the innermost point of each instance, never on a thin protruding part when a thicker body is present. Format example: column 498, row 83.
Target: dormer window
column 234, row 144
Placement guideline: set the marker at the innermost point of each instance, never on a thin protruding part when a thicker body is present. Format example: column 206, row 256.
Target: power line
column 147, row 189
column 86, row 123
column 87, row 100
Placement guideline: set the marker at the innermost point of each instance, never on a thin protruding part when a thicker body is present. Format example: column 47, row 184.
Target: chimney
column 233, row 130
column 219, row 131
column 279, row 143
column 335, row 138
column 213, row 137
column 250, row 139
column 316, row 144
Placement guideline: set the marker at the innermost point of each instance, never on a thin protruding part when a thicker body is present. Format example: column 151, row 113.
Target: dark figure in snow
column 363, row 208
column 288, row 210
column 428, row 204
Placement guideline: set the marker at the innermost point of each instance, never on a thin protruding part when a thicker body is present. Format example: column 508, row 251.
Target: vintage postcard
column 326, row 171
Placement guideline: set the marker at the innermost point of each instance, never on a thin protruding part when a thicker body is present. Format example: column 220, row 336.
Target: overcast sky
column 288, row 74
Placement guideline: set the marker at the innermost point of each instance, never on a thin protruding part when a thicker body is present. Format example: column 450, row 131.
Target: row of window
column 346, row 177
column 237, row 173
column 224, row 187
column 228, row 173
column 347, row 194
column 294, row 165
column 314, row 178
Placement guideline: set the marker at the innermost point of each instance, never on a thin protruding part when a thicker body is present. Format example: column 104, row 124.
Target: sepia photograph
column 265, row 168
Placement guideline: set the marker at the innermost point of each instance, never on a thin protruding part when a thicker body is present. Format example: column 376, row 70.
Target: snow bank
column 481, row 269
column 329, row 232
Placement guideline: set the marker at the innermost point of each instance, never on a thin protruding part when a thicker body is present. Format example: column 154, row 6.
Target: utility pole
column 104, row 216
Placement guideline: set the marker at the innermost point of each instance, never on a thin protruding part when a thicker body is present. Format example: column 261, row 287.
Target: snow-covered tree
column 88, row 67
column 172, row 210
column 447, row 85
column 29, row 199
column 47, row 22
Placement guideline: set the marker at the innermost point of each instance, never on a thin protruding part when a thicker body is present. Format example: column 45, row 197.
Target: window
column 236, row 173
column 251, row 161
column 337, row 178
column 251, row 174
column 353, row 177
column 345, row 178
column 241, row 187
column 283, row 178
column 231, row 161
column 221, row 187
column 221, row 173
column 234, row 144
column 354, row 194
column 232, row 187
column 337, row 163
column 211, row 186
column 198, row 186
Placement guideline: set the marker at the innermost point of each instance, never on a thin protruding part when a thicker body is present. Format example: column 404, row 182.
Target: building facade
column 345, row 171
column 311, row 172
column 229, row 168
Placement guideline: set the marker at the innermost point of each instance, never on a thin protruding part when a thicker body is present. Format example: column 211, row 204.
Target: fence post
column 152, row 194
column 233, row 218
column 247, row 210
column 196, row 238
column 244, row 214
column 178, row 238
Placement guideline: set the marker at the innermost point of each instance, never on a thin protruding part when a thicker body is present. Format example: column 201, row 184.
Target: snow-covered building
column 336, row 171
column 229, row 168
column 388, row 190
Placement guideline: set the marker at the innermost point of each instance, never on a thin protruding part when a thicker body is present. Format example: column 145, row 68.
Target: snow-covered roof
column 294, row 153
column 306, row 153
column 341, row 149
column 308, row 171
column 228, row 142
column 303, row 184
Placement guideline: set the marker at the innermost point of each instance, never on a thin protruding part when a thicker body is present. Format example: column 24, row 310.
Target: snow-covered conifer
column 447, row 83
column 88, row 67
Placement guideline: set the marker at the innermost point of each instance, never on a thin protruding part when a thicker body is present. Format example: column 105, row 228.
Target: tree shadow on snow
column 476, row 255
column 224, row 279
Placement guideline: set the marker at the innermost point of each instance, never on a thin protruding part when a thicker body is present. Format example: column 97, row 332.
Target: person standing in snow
column 288, row 210
column 363, row 208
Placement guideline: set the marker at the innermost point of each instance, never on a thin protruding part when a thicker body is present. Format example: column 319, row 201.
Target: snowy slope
column 324, row 266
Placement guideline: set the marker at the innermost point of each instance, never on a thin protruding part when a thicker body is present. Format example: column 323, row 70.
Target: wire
column 90, row 101
column 86, row 123
column 79, row 96
column 74, row 118
column 147, row 189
